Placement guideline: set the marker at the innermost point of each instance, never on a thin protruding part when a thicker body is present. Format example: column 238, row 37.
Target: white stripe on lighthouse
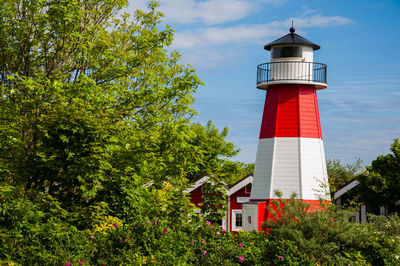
column 290, row 165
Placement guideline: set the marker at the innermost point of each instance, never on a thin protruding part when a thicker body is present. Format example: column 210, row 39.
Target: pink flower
column 103, row 264
column 297, row 251
column 126, row 240
column 223, row 231
column 131, row 229
column 165, row 230
column 234, row 249
column 207, row 222
column 217, row 233
column 115, row 225
column 211, row 227
column 91, row 237
column 145, row 222
column 81, row 263
column 68, row 264
column 280, row 257
column 281, row 245
column 241, row 259
column 192, row 242
column 204, row 252
column 120, row 239
column 204, row 241
column 240, row 245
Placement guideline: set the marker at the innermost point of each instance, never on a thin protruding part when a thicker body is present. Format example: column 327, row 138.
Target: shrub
column 329, row 235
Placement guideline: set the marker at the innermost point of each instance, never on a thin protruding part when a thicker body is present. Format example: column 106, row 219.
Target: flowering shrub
column 30, row 237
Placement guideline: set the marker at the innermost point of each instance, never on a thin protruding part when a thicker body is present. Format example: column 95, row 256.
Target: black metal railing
column 289, row 70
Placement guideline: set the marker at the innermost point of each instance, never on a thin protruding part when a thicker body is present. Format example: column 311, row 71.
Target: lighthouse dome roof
column 291, row 38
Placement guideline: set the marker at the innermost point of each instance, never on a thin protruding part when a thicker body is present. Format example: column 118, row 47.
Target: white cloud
column 320, row 21
column 209, row 12
column 218, row 36
column 251, row 33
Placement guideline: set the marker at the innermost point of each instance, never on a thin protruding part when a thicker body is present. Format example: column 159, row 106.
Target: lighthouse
column 290, row 155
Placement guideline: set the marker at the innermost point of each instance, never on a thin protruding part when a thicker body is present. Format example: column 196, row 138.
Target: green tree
column 380, row 184
column 339, row 174
column 96, row 114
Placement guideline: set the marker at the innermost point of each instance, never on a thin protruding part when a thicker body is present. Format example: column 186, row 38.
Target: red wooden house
column 237, row 194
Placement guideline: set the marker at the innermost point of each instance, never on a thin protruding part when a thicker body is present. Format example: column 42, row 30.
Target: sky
column 360, row 43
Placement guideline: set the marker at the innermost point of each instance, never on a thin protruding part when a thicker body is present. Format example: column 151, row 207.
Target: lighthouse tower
column 290, row 155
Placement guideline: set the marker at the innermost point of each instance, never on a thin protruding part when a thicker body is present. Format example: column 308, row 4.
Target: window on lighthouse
column 286, row 51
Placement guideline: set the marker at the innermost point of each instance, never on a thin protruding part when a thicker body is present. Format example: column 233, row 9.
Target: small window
column 247, row 189
column 238, row 222
column 288, row 51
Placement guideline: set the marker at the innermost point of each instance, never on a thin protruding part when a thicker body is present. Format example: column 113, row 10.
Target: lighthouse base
column 256, row 213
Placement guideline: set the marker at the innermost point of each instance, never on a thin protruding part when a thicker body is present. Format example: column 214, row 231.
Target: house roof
column 347, row 187
column 240, row 184
column 199, row 182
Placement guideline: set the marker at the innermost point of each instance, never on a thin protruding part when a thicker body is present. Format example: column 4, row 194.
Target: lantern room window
column 286, row 51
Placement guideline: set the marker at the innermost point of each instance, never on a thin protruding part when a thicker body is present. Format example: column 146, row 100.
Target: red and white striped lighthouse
column 290, row 155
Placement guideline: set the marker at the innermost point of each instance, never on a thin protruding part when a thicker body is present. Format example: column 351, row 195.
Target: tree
column 380, row 184
column 96, row 114
column 339, row 174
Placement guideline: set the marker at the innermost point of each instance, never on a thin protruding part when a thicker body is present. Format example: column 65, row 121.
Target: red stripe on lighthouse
column 291, row 110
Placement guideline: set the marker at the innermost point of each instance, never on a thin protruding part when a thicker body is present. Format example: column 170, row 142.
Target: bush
column 329, row 235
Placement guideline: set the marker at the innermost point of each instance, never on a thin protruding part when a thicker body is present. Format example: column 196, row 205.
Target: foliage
column 243, row 170
column 31, row 233
column 214, row 200
column 339, row 174
column 96, row 114
column 30, row 236
column 380, row 184
column 330, row 236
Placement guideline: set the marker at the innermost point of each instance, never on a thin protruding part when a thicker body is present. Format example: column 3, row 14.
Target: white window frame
column 223, row 226
column 247, row 189
column 233, row 222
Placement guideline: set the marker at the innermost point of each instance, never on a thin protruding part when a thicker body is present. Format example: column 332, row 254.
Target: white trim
column 228, row 215
column 201, row 182
column 223, row 226
column 240, row 185
column 346, row 188
column 317, row 85
column 363, row 212
column 242, row 199
column 197, row 184
column 233, row 222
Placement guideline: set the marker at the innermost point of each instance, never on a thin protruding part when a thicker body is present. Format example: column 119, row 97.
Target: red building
column 238, row 193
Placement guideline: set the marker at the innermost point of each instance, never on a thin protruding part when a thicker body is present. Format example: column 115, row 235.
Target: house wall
column 234, row 205
column 196, row 196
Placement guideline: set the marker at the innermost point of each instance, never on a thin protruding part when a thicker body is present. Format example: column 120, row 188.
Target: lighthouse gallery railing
column 290, row 70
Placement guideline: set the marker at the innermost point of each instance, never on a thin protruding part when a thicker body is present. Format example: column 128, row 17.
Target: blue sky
column 360, row 43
